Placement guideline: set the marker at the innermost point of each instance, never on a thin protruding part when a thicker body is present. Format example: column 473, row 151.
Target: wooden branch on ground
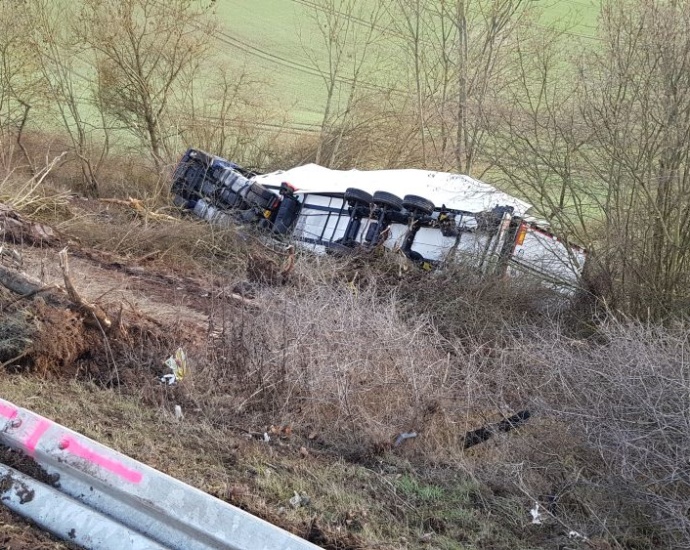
column 15, row 359
column 86, row 307
column 140, row 208
column 16, row 228
column 18, row 282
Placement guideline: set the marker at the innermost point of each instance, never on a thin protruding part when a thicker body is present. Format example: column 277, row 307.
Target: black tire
column 357, row 196
column 388, row 200
column 413, row 203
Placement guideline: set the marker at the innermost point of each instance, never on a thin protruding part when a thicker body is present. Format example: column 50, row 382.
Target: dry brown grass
column 119, row 173
column 346, row 356
column 606, row 451
column 181, row 244
column 352, row 366
column 350, row 506
column 336, row 361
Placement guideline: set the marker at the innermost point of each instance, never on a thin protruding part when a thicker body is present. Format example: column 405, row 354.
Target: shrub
column 607, row 450
column 333, row 360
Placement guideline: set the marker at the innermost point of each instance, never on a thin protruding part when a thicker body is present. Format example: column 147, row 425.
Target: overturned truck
column 431, row 217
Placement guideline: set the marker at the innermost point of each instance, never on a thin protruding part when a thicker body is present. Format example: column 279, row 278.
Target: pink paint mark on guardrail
column 8, row 411
column 36, row 435
column 73, row 446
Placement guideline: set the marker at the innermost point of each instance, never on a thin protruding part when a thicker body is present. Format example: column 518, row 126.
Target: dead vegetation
column 307, row 387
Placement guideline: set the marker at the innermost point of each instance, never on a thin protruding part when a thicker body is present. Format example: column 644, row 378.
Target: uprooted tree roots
column 54, row 331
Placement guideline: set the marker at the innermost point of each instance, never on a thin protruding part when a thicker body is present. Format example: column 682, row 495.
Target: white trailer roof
column 455, row 191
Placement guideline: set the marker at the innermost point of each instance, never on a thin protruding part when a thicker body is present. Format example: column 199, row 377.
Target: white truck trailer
column 431, row 217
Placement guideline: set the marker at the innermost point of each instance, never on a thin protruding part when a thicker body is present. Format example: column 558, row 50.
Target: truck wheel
column 388, row 200
column 413, row 203
column 357, row 196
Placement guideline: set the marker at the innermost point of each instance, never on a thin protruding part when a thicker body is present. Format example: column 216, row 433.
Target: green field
column 264, row 37
column 269, row 38
column 279, row 44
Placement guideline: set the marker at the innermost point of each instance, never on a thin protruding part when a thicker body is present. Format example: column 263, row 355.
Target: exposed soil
column 46, row 335
column 152, row 313
column 24, row 464
column 17, row 534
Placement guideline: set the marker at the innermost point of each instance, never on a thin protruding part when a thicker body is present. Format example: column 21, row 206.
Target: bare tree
column 67, row 88
column 414, row 30
column 19, row 84
column 485, row 33
column 143, row 49
column 604, row 150
column 637, row 102
column 226, row 111
column 460, row 52
column 538, row 135
column 351, row 31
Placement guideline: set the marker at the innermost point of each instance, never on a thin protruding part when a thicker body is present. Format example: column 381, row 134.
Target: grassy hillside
column 270, row 36
column 278, row 43
column 265, row 36
column 333, row 366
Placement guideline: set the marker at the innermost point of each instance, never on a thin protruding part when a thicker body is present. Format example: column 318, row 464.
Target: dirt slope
column 169, row 284
column 160, row 299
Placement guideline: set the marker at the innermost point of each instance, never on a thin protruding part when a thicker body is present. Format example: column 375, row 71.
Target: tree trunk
column 461, row 131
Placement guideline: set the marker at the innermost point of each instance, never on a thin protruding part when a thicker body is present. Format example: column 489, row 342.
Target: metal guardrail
column 103, row 499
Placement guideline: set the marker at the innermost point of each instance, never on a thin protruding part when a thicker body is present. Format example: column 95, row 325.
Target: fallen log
column 19, row 282
column 26, row 286
column 475, row 437
column 15, row 228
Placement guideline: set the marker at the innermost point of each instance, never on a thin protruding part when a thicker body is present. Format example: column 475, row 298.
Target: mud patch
column 23, row 492
column 62, row 338
column 59, row 341
column 18, row 534
column 26, row 465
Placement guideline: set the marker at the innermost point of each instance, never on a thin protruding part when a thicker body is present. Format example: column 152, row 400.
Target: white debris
column 178, row 365
column 299, row 500
column 178, row 412
column 267, row 437
column 403, row 437
column 576, row 535
column 536, row 514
